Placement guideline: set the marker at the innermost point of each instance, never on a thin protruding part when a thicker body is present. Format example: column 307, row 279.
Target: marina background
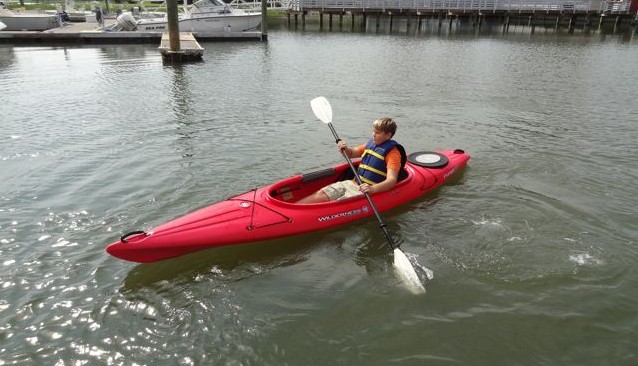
column 533, row 248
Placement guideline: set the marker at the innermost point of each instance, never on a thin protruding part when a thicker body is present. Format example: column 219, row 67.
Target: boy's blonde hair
column 385, row 124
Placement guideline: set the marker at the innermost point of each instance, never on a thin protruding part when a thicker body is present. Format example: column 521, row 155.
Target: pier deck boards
column 189, row 50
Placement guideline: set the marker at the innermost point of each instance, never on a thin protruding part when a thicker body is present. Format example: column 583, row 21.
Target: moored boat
column 203, row 16
column 18, row 21
column 271, row 211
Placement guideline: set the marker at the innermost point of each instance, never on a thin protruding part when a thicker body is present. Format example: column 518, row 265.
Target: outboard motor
column 125, row 22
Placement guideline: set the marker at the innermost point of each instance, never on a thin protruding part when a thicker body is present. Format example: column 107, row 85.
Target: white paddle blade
column 406, row 273
column 322, row 109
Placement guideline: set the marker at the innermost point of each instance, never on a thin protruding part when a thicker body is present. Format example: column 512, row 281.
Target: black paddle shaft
column 382, row 225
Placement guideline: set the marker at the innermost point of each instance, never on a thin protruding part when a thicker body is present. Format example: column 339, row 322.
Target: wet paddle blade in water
column 406, row 272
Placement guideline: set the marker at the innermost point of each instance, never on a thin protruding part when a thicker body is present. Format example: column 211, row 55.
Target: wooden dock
column 456, row 6
column 189, row 49
column 567, row 12
column 89, row 33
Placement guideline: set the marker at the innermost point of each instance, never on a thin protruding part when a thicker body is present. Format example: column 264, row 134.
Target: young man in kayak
column 379, row 169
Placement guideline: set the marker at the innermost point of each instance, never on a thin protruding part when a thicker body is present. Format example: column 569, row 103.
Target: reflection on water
column 181, row 93
column 181, row 101
column 236, row 261
column 126, row 52
column 6, row 61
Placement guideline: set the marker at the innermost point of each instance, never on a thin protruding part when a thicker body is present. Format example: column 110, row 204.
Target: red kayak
column 271, row 212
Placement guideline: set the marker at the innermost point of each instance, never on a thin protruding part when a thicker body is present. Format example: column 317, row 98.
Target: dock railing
column 562, row 6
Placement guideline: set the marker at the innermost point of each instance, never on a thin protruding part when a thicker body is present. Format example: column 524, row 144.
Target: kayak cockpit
column 295, row 188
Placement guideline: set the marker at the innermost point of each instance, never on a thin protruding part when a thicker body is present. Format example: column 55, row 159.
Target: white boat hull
column 30, row 22
column 216, row 24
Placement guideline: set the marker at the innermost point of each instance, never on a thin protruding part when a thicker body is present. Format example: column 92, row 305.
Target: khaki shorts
column 342, row 190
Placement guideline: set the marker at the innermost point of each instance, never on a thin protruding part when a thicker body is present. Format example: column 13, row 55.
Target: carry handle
column 137, row 232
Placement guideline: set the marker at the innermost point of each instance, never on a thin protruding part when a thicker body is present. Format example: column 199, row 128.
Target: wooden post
column 173, row 25
column 330, row 21
column 557, row 22
column 570, row 28
column 340, row 20
column 600, row 20
column 533, row 28
column 321, row 20
column 352, row 15
column 616, row 23
column 264, row 20
column 390, row 13
column 506, row 25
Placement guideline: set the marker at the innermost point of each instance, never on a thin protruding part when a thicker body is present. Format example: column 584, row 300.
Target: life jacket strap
column 371, row 152
column 366, row 180
column 367, row 167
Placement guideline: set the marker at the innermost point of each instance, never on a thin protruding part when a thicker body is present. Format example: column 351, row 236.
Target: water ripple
column 536, row 237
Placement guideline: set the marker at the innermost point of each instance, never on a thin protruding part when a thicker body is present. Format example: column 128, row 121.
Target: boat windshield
column 208, row 3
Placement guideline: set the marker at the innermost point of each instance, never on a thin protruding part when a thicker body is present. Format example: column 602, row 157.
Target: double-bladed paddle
column 404, row 269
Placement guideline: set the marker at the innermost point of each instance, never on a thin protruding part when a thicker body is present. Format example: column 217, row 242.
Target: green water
column 533, row 248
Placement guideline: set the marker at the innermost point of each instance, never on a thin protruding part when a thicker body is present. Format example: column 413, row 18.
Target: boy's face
column 380, row 137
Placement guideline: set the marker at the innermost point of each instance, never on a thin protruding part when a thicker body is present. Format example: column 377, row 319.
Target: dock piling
column 616, row 23
column 570, row 27
column 173, row 25
column 391, row 19
column 264, row 20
